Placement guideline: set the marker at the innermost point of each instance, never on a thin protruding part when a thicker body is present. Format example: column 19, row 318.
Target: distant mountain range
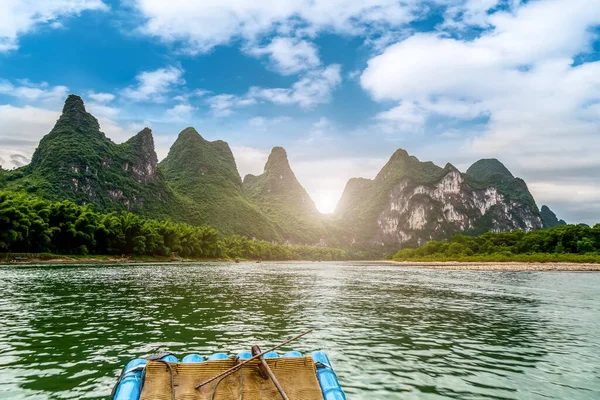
column 408, row 203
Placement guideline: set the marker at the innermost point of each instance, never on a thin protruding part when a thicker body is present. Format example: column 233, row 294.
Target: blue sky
column 340, row 84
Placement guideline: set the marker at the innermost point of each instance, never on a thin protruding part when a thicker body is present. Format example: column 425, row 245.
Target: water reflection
column 440, row 334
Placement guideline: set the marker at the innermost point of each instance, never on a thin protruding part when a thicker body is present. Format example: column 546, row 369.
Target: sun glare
column 326, row 201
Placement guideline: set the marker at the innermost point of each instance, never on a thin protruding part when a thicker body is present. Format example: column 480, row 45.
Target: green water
column 67, row 330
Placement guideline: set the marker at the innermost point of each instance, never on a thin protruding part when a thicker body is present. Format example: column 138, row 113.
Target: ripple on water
column 390, row 332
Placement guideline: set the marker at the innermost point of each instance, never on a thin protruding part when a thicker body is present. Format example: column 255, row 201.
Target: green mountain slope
column 280, row 196
column 411, row 202
column 76, row 161
column 549, row 218
column 489, row 170
column 205, row 173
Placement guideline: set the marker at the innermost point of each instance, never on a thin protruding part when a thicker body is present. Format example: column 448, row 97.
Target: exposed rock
column 142, row 158
column 76, row 161
column 411, row 202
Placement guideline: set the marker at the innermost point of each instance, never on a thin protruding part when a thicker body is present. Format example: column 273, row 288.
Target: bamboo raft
column 250, row 375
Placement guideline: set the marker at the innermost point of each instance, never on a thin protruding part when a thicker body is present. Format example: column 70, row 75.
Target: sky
column 340, row 84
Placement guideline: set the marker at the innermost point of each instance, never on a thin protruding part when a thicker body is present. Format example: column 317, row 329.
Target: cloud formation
column 311, row 89
column 204, row 25
column 153, row 86
column 289, row 55
column 31, row 92
column 19, row 17
column 521, row 73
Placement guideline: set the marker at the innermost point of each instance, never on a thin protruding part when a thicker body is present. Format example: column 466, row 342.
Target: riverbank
column 47, row 258
column 98, row 259
column 500, row 266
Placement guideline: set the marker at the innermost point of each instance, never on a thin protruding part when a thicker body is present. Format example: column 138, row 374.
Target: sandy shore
column 500, row 266
column 446, row 265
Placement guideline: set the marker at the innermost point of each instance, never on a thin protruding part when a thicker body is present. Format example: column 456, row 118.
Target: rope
column 123, row 373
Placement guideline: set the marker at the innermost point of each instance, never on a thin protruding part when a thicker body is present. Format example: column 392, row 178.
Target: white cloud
column 99, row 105
column 472, row 13
column 264, row 123
column 31, row 92
column 203, row 25
column 101, row 97
column 120, row 132
column 19, row 17
column 154, row 85
column 411, row 116
column 408, row 116
column 180, row 112
column 250, row 160
column 289, row 55
column 313, row 88
column 162, row 143
column 20, row 131
column 222, row 105
column 319, row 133
column 519, row 73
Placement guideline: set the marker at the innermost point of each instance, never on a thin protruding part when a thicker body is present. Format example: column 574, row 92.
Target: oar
column 238, row 366
column 266, row 373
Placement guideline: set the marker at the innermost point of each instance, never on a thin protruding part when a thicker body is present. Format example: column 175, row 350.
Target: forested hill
column 278, row 194
column 205, row 173
column 77, row 161
column 409, row 203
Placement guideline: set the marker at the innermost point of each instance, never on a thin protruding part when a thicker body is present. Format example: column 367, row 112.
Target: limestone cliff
column 76, row 161
column 410, row 203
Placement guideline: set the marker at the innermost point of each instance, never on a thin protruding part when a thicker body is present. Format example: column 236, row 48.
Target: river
column 391, row 332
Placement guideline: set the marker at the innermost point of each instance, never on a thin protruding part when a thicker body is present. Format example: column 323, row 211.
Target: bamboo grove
column 33, row 225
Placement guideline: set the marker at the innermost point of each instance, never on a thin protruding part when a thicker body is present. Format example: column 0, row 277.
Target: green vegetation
column 489, row 170
column 279, row 195
column 363, row 200
column 366, row 211
column 549, row 218
column 198, row 184
column 76, row 161
column 569, row 243
column 33, row 225
column 205, row 173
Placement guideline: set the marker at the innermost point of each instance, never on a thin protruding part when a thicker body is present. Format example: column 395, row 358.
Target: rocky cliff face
column 76, row 161
column 410, row 203
column 279, row 195
column 141, row 158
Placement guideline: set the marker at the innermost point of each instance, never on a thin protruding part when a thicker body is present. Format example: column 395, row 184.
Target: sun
column 326, row 201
